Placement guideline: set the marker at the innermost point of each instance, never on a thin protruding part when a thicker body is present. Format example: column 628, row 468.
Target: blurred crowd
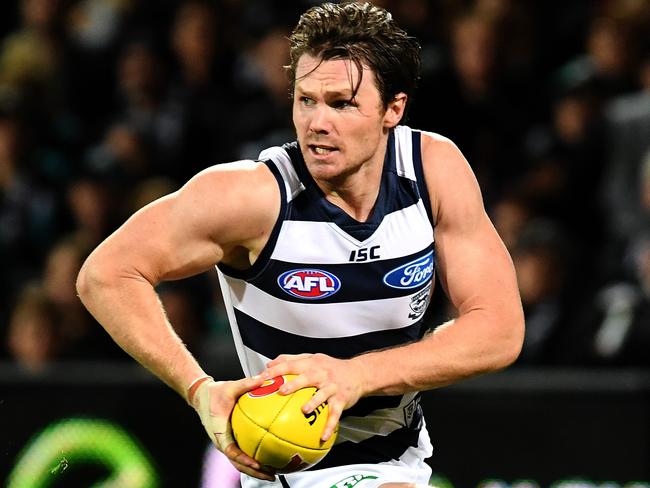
column 106, row 105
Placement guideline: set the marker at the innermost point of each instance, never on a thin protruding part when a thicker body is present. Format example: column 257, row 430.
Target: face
column 339, row 136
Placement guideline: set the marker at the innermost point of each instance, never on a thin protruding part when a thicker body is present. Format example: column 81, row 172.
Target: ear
column 395, row 110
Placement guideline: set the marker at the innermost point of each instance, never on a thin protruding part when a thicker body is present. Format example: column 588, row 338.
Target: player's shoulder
column 436, row 145
column 447, row 173
column 236, row 197
column 442, row 160
column 233, row 168
column 244, row 181
column 245, row 172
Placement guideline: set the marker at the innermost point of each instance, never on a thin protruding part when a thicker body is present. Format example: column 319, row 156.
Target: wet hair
column 366, row 35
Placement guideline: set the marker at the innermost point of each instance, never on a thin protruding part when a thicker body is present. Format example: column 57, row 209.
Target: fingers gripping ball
column 272, row 429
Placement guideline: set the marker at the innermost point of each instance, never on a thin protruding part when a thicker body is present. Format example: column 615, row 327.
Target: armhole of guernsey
column 264, row 257
column 418, row 167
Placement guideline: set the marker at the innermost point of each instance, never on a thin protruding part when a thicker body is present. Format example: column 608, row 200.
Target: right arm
column 215, row 217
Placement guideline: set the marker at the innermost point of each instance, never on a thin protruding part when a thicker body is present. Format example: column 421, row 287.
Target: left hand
column 338, row 381
column 214, row 402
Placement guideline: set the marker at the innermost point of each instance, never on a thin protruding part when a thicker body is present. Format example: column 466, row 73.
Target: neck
column 356, row 193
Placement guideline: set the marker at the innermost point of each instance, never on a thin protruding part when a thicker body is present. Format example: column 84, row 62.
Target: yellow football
column 272, row 429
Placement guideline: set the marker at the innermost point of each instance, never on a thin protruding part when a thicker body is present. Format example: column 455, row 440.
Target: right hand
column 214, row 402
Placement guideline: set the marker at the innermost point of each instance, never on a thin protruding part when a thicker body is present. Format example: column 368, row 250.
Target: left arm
column 478, row 276
column 479, row 279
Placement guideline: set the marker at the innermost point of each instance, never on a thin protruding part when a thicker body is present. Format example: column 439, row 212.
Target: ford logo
column 412, row 274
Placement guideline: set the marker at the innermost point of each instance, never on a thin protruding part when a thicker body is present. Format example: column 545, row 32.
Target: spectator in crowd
column 540, row 259
column 608, row 61
column 564, row 170
column 34, row 335
column 474, row 103
column 613, row 326
column 81, row 337
column 260, row 85
column 92, row 207
column 35, row 74
column 31, row 64
column 93, row 29
column 628, row 137
column 197, row 87
column 28, row 211
column 145, row 133
column 510, row 215
column 48, row 323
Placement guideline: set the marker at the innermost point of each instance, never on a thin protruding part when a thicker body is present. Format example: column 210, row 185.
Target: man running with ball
column 326, row 250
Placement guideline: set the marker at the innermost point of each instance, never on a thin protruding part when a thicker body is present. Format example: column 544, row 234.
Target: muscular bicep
column 168, row 239
column 208, row 220
column 473, row 264
column 475, row 268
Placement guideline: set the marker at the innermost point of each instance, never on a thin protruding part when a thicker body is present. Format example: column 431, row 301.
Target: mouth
column 321, row 150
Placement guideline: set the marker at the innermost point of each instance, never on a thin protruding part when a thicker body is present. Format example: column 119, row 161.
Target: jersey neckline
column 331, row 212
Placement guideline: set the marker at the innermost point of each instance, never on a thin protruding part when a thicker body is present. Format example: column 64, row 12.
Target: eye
column 307, row 101
column 342, row 104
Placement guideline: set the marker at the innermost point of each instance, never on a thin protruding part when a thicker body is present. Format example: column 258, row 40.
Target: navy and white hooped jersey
column 330, row 284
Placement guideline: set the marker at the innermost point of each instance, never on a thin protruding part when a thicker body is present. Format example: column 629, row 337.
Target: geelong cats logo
column 419, row 302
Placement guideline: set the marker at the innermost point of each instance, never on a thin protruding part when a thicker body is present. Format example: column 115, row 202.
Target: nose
column 319, row 122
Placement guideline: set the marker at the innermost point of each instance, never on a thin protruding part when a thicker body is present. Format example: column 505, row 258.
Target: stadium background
column 108, row 104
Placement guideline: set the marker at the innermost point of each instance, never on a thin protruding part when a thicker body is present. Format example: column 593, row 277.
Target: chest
column 319, row 261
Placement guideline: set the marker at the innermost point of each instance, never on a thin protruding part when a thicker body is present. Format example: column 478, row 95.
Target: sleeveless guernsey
column 328, row 283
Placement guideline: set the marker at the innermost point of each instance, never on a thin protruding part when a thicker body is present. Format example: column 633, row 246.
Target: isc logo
column 311, row 284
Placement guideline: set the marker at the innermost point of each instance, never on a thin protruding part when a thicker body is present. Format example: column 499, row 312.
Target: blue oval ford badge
column 311, row 284
column 411, row 274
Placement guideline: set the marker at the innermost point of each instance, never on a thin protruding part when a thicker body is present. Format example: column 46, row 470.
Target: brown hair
column 365, row 34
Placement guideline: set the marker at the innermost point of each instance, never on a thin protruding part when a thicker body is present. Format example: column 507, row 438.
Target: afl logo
column 310, row 284
column 412, row 274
